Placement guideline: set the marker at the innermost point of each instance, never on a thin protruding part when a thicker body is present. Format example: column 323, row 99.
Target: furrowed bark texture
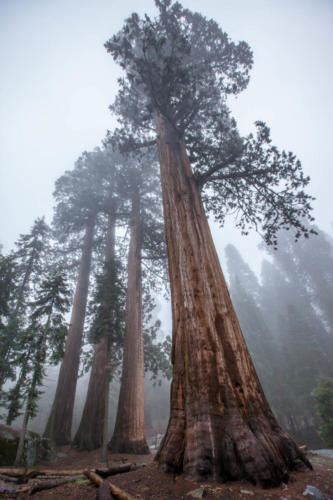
column 59, row 424
column 221, row 426
column 129, row 432
column 89, row 435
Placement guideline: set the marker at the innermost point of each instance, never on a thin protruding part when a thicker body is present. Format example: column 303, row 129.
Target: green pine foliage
column 182, row 67
column 245, row 292
column 22, row 271
column 157, row 353
column 286, row 331
column 108, row 310
column 40, row 343
column 323, row 395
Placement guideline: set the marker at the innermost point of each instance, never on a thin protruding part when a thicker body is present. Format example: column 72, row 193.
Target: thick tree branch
column 206, row 176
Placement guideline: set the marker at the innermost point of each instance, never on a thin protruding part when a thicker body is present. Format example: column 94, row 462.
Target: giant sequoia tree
column 75, row 213
column 89, row 435
column 83, row 199
column 179, row 68
column 141, row 185
column 107, row 318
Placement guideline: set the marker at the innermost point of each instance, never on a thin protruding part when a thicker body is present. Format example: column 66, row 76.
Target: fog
column 57, row 83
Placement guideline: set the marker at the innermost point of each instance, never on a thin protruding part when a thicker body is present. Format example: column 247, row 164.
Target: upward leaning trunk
column 129, row 432
column 89, row 435
column 90, row 432
column 221, row 426
column 59, row 424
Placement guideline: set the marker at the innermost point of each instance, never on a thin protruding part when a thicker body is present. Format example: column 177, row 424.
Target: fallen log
column 9, row 479
column 12, row 471
column 118, row 469
column 29, row 473
column 95, row 478
column 118, row 493
column 46, row 485
column 9, row 488
column 22, row 472
column 103, row 492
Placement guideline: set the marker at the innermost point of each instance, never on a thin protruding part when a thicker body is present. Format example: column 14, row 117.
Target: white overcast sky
column 57, row 82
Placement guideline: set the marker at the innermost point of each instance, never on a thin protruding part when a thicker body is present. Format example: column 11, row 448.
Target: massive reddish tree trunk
column 221, row 426
column 59, row 424
column 129, row 432
column 89, row 435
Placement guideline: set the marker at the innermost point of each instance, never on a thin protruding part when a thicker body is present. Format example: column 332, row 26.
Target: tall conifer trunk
column 89, row 435
column 59, row 424
column 221, row 426
column 129, row 432
column 39, row 362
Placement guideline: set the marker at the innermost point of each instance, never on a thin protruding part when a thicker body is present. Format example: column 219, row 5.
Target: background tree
column 75, row 213
column 107, row 326
column 309, row 264
column 303, row 344
column 22, row 271
column 83, row 199
column 146, row 240
column 246, row 293
column 323, row 395
column 179, row 68
column 8, row 275
column 44, row 339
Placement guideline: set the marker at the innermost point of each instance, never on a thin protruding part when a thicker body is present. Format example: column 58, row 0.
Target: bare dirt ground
column 150, row 483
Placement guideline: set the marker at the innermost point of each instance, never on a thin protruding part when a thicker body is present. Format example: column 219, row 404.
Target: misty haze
column 166, row 256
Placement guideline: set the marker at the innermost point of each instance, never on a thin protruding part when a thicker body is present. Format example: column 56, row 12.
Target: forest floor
column 150, row 483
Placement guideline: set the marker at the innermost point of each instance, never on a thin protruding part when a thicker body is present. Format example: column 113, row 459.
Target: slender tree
column 179, row 68
column 44, row 339
column 8, row 277
column 323, row 395
column 8, row 287
column 29, row 259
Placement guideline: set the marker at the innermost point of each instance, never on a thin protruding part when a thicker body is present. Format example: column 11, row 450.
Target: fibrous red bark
column 59, row 424
column 221, row 426
column 90, row 432
column 89, row 435
column 129, row 432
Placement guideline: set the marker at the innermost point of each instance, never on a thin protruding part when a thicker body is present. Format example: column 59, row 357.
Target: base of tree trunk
column 85, row 443
column 242, row 450
column 117, row 445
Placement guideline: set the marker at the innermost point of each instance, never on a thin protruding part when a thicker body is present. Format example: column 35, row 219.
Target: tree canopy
column 183, row 66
